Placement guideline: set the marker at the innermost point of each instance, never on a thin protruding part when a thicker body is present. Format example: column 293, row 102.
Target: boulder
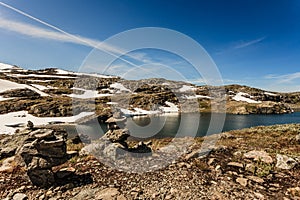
column 117, row 135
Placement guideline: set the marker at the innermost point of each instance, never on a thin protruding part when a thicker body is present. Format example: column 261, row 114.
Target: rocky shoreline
column 253, row 163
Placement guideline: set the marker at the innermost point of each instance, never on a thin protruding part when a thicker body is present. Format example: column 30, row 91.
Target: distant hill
column 58, row 93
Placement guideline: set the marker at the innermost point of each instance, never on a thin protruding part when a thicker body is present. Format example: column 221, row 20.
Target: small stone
column 49, row 193
column 107, row 194
column 242, row 181
column 218, row 167
column 211, row 161
column 297, row 138
column 259, row 156
column 235, row 164
column 20, row 196
column 256, row 179
column 259, row 195
column 7, row 152
column 30, row 125
column 65, row 172
column 250, row 168
column 237, row 153
column 42, row 197
column 7, row 165
column 193, row 154
column 173, row 191
column 121, row 197
column 285, row 162
column 294, row 191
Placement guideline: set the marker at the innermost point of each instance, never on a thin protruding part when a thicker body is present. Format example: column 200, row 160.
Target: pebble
column 242, row 181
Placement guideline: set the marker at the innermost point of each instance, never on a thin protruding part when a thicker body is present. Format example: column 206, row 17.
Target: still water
column 189, row 124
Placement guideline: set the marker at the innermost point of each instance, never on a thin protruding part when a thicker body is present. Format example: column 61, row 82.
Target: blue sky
column 253, row 42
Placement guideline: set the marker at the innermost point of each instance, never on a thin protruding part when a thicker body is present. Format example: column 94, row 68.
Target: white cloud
column 249, row 43
column 38, row 32
column 285, row 78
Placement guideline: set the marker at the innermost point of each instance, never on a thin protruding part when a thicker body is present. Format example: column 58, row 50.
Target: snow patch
column 269, row 93
column 40, row 87
column 40, row 76
column 120, row 87
column 62, row 72
column 87, row 94
column 9, row 85
column 186, row 88
column 4, row 66
column 4, row 99
column 172, row 107
column 197, row 96
column 22, row 117
column 241, row 96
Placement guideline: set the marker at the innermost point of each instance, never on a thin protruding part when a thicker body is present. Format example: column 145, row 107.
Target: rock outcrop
column 113, row 144
column 42, row 150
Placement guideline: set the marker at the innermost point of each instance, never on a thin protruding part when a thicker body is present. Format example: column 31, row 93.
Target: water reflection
column 186, row 124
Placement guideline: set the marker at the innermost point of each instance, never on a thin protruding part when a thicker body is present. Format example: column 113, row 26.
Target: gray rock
column 7, row 152
column 114, row 151
column 41, row 177
column 285, row 162
column 242, row 181
column 141, row 147
column 297, row 138
column 259, row 156
column 42, row 150
column 65, row 172
column 117, row 135
column 103, row 194
column 235, row 164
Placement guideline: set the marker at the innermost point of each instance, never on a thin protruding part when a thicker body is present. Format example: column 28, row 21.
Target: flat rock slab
column 259, row 156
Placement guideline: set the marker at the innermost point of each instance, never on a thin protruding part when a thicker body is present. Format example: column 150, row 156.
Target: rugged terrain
column 254, row 163
column 57, row 94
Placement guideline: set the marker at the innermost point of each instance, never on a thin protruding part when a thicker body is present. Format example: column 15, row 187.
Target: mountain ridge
column 57, row 93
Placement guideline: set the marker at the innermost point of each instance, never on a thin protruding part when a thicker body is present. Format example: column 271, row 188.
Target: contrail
column 83, row 41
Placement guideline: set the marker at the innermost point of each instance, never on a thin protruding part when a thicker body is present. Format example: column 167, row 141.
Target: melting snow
column 186, row 88
column 39, row 76
column 40, row 87
column 9, row 85
column 4, row 99
column 241, row 97
column 197, row 96
column 120, row 87
column 269, row 93
column 87, row 94
column 172, row 108
column 22, row 117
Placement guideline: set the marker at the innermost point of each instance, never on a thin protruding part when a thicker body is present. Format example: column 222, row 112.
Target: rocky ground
column 254, row 163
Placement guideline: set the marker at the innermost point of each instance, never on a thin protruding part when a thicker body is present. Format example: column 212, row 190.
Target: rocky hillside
column 58, row 94
column 255, row 163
